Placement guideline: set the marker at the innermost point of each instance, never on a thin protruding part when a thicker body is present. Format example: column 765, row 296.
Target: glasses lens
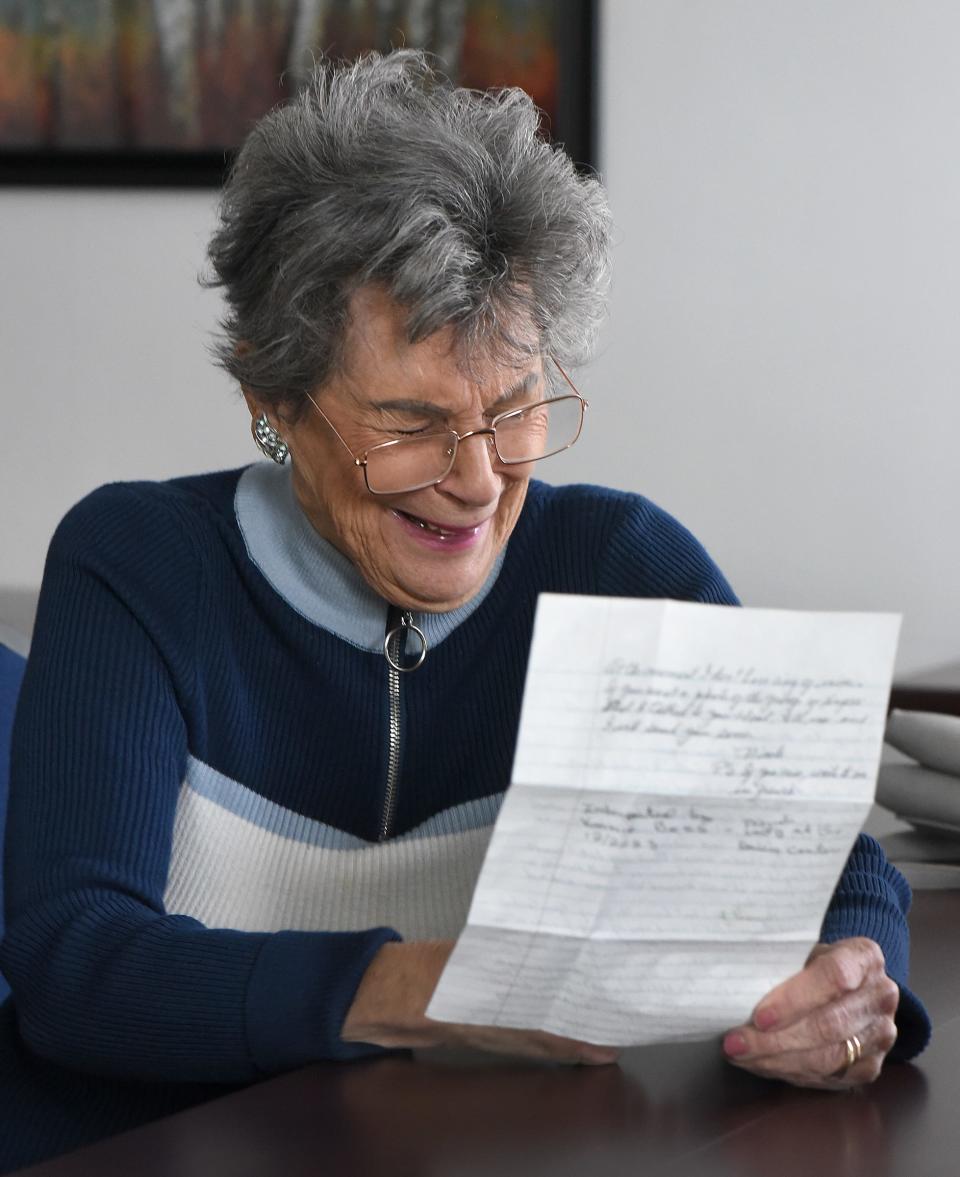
column 539, row 430
column 397, row 466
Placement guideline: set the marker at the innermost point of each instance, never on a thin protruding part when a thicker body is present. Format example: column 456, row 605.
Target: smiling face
column 429, row 549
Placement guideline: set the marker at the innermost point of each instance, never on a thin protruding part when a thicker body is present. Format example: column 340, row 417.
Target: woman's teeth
column 434, row 528
column 425, row 526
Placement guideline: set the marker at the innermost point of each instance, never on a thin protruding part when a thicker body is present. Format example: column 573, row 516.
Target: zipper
column 399, row 625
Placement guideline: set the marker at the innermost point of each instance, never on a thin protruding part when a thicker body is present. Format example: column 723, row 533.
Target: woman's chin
column 428, row 575
column 437, row 597
column 435, row 589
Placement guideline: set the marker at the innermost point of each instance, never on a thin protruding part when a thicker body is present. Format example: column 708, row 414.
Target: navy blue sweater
column 186, row 704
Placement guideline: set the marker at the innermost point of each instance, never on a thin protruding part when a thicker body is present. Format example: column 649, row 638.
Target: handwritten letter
column 688, row 782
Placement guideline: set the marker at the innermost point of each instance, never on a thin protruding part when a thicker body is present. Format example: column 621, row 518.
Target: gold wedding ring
column 854, row 1048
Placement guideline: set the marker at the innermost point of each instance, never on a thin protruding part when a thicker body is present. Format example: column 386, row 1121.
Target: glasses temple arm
column 562, row 371
column 356, row 461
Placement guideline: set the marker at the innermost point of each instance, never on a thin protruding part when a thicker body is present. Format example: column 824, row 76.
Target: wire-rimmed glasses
column 517, row 437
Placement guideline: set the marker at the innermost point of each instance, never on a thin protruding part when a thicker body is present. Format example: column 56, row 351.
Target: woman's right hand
column 388, row 1010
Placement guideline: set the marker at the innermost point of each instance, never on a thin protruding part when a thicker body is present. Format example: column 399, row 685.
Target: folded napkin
column 928, row 737
column 921, row 796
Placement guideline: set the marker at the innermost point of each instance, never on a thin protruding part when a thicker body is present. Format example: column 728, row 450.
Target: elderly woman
column 270, row 714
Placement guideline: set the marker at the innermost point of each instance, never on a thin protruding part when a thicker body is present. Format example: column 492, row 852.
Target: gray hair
column 381, row 171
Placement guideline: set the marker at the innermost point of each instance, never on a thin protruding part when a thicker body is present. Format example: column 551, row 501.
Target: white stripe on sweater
column 239, row 861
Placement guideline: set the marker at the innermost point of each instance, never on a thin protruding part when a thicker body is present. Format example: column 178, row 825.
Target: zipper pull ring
column 394, row 644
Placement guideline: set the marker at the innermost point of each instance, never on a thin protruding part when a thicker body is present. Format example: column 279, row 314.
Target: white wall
column 103, row 368
column 781, row 365
column 783, row 345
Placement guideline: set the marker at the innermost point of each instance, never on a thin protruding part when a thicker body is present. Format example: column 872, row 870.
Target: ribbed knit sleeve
column 872, row 899
column 648, row 553
column 104, row 979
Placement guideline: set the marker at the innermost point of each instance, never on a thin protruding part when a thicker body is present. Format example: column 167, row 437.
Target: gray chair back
column 11, row 673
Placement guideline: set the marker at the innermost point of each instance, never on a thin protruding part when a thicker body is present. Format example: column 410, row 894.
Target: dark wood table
column 932, row 690
column 665, row 1110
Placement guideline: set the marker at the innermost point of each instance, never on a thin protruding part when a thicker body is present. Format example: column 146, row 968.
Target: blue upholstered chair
column 11, row 672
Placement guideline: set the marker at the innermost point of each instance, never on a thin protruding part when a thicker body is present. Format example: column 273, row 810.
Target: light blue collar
column 312, row 576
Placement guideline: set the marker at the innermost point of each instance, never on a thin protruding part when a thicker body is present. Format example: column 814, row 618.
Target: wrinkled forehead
column 377, row 340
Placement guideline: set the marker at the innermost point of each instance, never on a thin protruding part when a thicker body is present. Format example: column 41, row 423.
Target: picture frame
column 160, row 93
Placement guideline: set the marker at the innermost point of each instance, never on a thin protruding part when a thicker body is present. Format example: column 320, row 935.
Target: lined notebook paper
column 688, row 782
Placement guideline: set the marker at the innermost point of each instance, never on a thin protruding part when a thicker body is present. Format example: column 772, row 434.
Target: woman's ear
column 244, row 348
column 275, row 415
column 252, row 403
column 264, row 430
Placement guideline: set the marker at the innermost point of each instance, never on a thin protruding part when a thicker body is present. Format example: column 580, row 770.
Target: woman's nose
column 473, row 477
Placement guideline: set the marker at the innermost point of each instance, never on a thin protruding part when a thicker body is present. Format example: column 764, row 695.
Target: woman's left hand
column 807, row 1030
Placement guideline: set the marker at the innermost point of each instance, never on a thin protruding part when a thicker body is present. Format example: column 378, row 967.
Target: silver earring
column 269, row 441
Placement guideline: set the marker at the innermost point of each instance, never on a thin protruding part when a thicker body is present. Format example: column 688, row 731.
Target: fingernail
column 599, row 1057
column 734, row 1044
column 765, row 1019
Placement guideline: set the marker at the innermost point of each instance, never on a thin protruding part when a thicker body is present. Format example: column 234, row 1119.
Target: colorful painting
column 185, row 79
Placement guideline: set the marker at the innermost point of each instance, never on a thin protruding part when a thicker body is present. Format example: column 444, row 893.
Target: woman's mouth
column 439, row 534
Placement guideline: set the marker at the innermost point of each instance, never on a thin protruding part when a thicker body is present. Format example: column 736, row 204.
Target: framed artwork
column 162, row 92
